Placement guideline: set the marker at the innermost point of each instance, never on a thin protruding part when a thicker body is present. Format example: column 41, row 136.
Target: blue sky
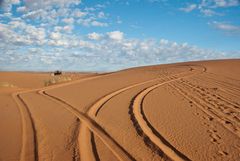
column 111, row 35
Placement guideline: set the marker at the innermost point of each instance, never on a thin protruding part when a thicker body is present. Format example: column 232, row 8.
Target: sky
column 87, row 35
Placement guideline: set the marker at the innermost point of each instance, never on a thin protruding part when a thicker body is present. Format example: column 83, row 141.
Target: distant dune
column 182, row 111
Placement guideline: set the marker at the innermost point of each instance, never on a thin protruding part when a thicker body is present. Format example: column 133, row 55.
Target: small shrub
column 6, row 84
column 57, row 79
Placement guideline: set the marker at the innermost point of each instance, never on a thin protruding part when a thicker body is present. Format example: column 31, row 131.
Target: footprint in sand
column 222, row 153
column 215, row 138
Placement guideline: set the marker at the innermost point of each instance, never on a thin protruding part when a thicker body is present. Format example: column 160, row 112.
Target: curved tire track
column 117, row 149
column 85, row 143
column 150, row 135
column 94, row 109
column 29, row 150
column 29, row 147
column 145, row 129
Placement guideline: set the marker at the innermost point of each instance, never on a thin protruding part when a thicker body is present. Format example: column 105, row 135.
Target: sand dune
column 182, row 111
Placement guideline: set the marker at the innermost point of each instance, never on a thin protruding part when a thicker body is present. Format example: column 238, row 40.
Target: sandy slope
column 184, row 111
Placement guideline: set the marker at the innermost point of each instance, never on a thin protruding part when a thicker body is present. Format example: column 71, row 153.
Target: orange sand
column 183, row 111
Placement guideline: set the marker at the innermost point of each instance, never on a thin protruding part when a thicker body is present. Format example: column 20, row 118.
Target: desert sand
column 181, row 111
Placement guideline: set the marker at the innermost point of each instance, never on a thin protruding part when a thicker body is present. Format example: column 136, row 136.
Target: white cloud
column 91, row 21
column 48, row 4
column 22, row 9
column 164, row 42
column 226, row 3
column 57, row 28
column 90, row 9
column 226, row 27
column 208, row 7
column 119, row 21
column 20, row 33
column 78, row 13
column 7, row 14
column 55, row 35
column 115, row 35
column 7, row 4
column 72, row 53
column 218, row 3
column 209, row 12
column 14, row 1
column 35, row 14
column 68, row 20
column 189, row 8
column 68, row 28
column 99, row 24
column 85, row 22
column 94, row 36
column 101, row 15
column 97, row 55
column 38, row 34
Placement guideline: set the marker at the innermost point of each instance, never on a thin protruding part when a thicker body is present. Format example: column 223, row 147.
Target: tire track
column 86, row 134
column 94, row 147
column 93, row 125
column 117, row 149
column 86, row 147
column 92, row 111
column 29, row 150
column 76, row 148
column 72, row 143
column 95, row 108
column 151, row 137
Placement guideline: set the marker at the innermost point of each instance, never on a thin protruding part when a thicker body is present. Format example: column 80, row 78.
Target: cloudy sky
column 87, row 35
